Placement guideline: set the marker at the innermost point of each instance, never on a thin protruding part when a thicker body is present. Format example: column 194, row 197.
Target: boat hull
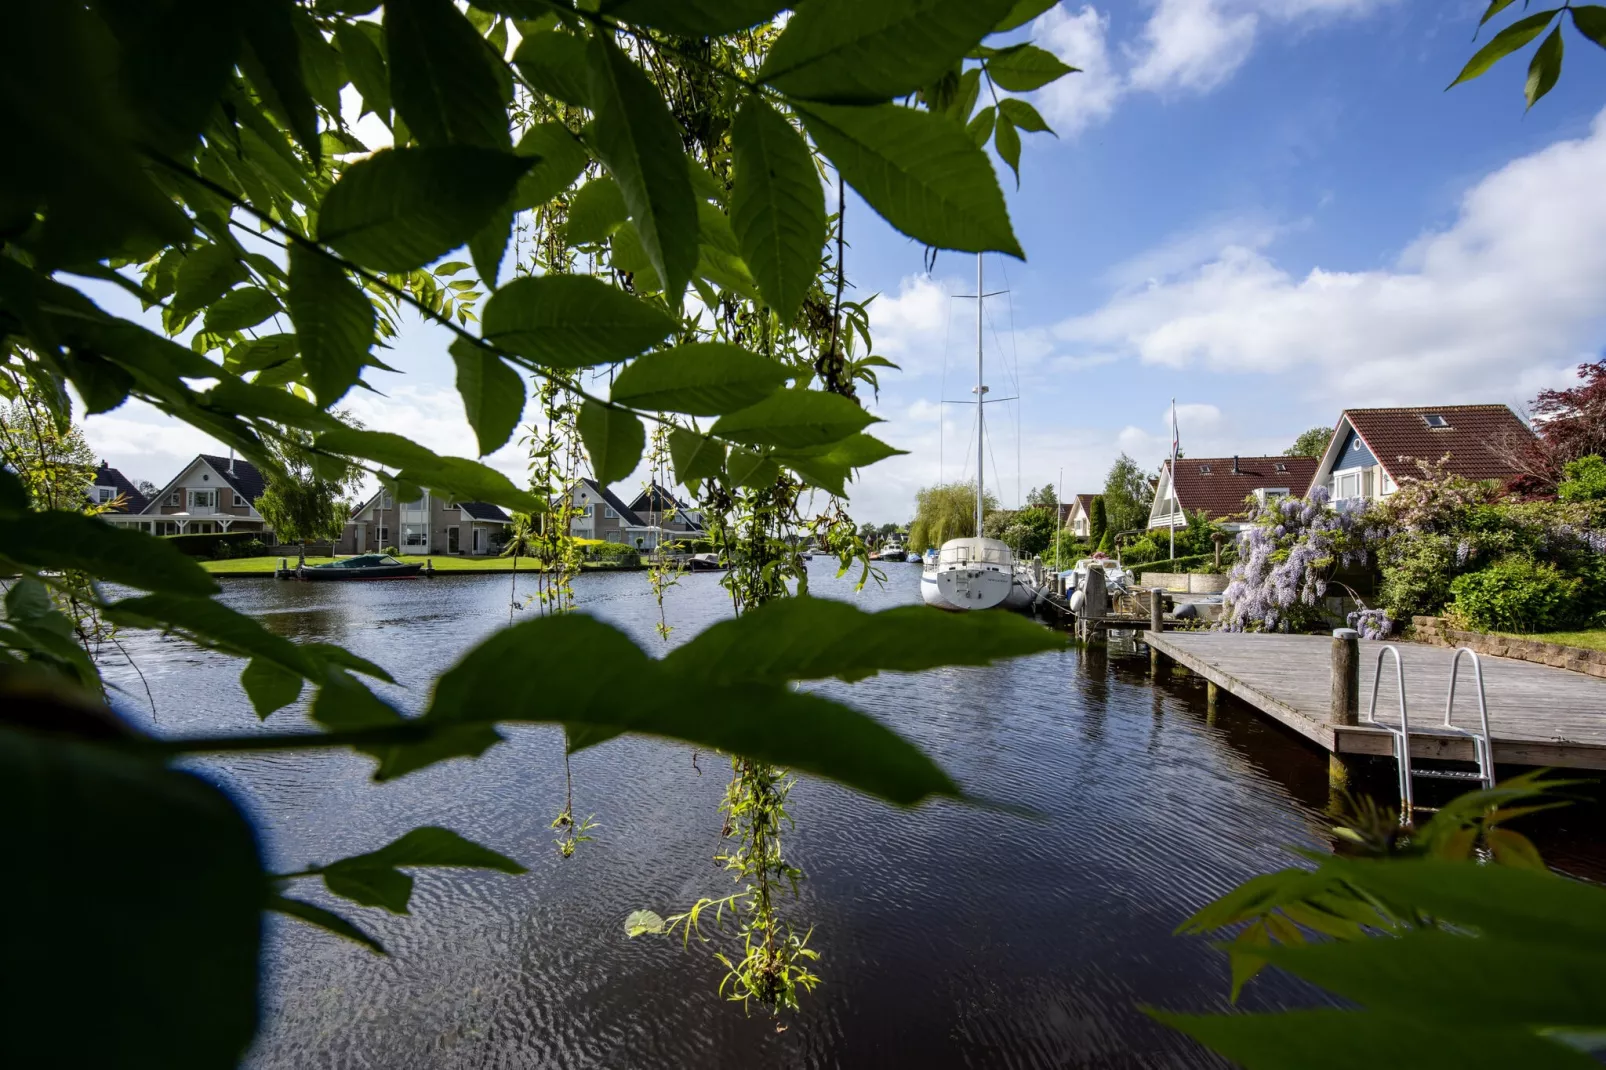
column 386, row 572
column 961, row 589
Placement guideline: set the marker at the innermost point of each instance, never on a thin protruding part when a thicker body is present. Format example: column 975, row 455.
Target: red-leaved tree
column 1570, row 424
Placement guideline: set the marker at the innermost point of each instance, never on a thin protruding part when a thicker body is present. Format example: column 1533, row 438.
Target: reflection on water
column 949, row 935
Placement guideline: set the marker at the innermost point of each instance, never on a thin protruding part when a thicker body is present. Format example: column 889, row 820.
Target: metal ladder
column 1482, row 750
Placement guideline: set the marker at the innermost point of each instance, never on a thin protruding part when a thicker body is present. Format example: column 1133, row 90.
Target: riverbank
column 262, row 567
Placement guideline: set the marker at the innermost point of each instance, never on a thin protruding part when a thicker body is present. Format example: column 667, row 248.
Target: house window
column 1347, row 484
column 384, row 535
column 238, row 500
column 1436, row 420
column 203, row 499
column 1356, row 443
column 609, row 513
column 1279, row 467
column 1366, row 483
column 175, row 498
column 104, row 494
column 588, row 510
column 614, row 536
column 1204, row 469
column 385, row 502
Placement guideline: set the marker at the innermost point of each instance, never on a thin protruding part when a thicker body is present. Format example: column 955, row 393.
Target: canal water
column 948, row 936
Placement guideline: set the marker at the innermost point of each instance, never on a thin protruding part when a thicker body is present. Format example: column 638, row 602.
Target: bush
column 1416, row 575
column 209, row 544
column 1585, row 482
column 1201, row 563
column 391, row 550
column 601, row 550
column 1516, row 594
column 1141, row 551
column 248, row 548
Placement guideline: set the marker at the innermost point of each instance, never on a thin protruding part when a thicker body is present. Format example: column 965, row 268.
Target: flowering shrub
column 1371, row 623
column 1516, row 594
column 1285, row 558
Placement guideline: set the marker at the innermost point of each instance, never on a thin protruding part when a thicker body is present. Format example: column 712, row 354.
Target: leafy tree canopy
column 1312, row 443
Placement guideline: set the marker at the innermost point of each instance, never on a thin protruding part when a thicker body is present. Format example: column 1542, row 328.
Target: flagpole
column 1172, row 476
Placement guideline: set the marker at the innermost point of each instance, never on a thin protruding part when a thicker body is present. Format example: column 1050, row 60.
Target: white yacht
column 977, row 572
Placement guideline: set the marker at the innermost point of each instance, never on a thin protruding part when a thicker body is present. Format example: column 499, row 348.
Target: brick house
column 430, row 524
column 1219, row 485
column 654, row 516
column 210, row 494
column 1373, row 449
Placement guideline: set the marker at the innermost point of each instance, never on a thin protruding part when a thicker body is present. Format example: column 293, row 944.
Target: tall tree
column 55, row 464
column 946, row 511
column 302, row 503
column 1044, row 497
column 1312, row 443
column 1098, row 521
column 1127, row 496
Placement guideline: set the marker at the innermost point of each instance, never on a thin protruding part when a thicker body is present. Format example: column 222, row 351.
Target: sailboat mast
column 981, row 439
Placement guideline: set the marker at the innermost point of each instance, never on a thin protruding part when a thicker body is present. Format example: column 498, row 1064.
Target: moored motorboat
column 361, row 567
column 704, row 563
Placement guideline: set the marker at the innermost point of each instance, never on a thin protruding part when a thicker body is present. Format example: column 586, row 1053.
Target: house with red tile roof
column 1373, row 449
column 1076, row 515
column 1218, row 486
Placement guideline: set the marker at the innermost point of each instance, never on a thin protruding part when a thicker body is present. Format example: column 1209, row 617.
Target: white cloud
column 1184, row 46
column 1194, row 45
column 1079, row 100
column 1502, row 301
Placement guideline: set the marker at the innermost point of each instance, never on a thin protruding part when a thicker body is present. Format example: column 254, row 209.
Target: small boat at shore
column 704, row 563
column 361, row 567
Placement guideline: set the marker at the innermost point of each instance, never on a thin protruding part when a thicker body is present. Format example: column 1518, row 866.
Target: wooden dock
column 1538, row 715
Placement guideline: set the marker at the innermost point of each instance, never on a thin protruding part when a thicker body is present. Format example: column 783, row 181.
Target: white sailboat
column 977, row 572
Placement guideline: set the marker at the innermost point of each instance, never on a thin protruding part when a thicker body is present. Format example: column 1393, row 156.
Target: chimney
column 231, row 460
column 1235, row 465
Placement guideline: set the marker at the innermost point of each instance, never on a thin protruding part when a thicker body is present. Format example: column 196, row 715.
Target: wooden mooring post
column 1345, row 703
column 1156, row 626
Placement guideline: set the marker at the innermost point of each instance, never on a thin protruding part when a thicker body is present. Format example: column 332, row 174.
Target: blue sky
column 1269, row 209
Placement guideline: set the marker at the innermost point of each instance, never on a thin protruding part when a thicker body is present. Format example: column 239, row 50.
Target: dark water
column 949, row 936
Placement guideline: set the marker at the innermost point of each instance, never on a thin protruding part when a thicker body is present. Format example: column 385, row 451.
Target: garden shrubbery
column 1516, row 594
column 252, row 547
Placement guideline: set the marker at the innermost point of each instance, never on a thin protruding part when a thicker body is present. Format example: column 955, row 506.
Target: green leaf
column 255, row 401
column 328, row 920
column 492, row 392
column 701, row 378
column 571, row 669
column 749, row 468
column 777, row 208
column 1504, row 43
column 1494, row 8
column 639, row 142
column 848, row 52
column 204, row 276
column 239, row 309
column 1022, row 68
column 920, row 171
column 1343, row 1040
column 597, row 210
column 402, row 208
column 613, row 440
column 61, row 540
column 1456, row 978
column 861, row 451
column 806, row 638
column 269, row 686
column 441, row 76
column 641, row 922
column 489, row 245
column 572, row 321
column 366, row 63
column 272, row 61
column 1590, row 20
column 375, row 879
column 334, row 323
column 555, row 63
column 794, row 418
column 1023, row 115
column 560, row 159
column 695, row 457
column 694, row 18
column 1545, row 67
column 980, row 127
column 1007, row 141
column 452, row 477
column 151, row 874
column 1025, row 11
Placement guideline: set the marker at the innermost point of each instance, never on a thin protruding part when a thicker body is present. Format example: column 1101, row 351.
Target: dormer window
column 1436, row 421
column 1280, row 467
column 1204, row 469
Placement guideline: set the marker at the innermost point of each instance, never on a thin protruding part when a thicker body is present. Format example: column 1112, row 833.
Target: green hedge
column 1516, row 595
column 1196, row 563
column 207, row 544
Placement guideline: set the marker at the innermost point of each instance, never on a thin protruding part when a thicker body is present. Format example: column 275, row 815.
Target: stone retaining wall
column 1437, row 631
column 1184, row 582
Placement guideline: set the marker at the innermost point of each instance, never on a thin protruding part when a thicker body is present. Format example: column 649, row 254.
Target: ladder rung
column 1447, row 774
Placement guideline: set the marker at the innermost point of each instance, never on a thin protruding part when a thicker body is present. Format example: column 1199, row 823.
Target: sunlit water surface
column 948, row 935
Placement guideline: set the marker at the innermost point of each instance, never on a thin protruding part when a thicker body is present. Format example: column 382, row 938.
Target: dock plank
column 1538, row 715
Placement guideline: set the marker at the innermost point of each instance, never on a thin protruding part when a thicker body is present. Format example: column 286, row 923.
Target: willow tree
column 946, row 511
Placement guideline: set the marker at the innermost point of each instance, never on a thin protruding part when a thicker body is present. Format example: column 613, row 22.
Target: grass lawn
column 267, row 565
column 1594, row 639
